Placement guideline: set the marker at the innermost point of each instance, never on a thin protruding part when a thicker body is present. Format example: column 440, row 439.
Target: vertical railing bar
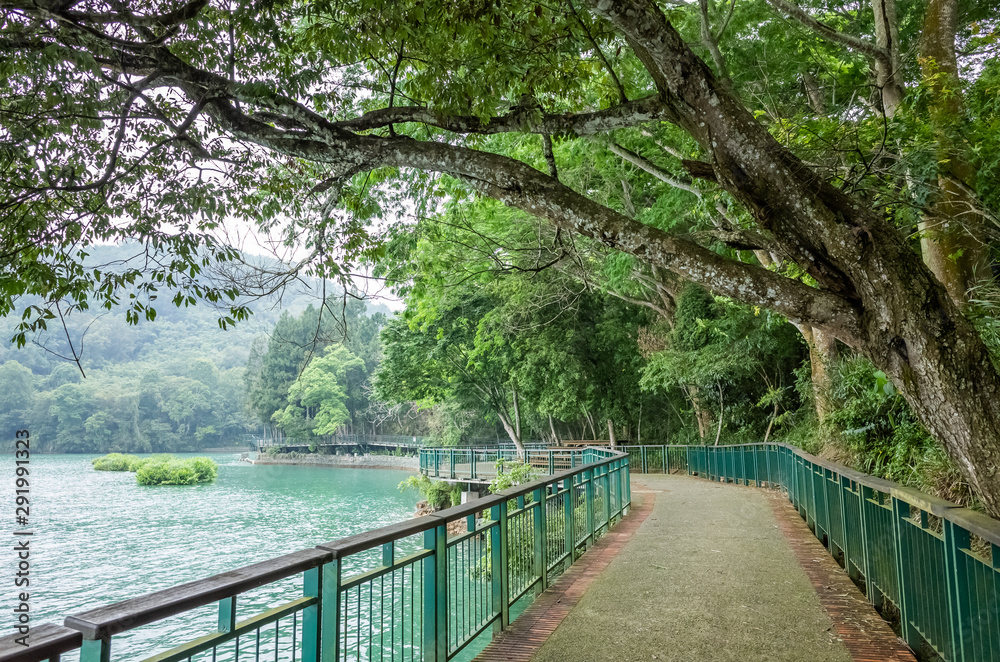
column 312, row 636
column 227, row 614
column 900, row 511
column 956, row 539
column 541, row 538
column 589, row 496
column 95, row 650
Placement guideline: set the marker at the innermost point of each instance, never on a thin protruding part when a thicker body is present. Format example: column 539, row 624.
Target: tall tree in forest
column 317, row 400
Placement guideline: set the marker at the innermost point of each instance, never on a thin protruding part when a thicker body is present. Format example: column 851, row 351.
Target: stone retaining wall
column 410, row 464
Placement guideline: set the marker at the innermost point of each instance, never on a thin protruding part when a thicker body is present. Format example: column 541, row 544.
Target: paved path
column 713, row 572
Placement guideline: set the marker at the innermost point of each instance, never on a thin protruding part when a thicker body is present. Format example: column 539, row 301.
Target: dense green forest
column 705, row 221
column 172, row 384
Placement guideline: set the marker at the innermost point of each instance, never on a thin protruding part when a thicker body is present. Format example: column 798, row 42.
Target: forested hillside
column 172, row 384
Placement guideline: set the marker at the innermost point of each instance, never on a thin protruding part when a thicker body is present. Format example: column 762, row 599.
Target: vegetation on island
column 689, row 222
column 161, row 469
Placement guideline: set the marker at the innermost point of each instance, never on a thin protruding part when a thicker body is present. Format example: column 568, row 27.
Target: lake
column 101, row 538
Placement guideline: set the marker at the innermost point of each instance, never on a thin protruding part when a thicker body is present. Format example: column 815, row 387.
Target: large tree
column 160, row 119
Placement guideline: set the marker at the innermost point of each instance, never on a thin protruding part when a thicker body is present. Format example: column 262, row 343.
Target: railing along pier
column 937, row 564
column 408, row 591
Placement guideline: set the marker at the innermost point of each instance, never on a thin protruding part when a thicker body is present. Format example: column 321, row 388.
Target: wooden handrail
column 45, row 641
column 109, row 620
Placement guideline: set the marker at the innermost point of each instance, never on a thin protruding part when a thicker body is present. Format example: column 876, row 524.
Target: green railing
column 416, row 590
column 480, row 464
column 936, row 563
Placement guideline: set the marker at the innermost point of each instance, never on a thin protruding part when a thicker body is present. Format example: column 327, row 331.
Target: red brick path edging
column 522, row 639
column 866, row 635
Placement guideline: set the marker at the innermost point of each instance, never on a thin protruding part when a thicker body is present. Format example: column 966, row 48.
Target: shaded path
column 709, row 575
column 520, row 641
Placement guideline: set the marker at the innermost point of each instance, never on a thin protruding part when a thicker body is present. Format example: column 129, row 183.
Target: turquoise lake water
column 100, row 538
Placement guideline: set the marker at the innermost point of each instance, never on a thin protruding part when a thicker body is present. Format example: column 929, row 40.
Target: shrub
column 174, row 471
column 115, row 462
column 439, row 494
column 205, row 469
column 161, row 469
column 882, row 436
column 510, row 473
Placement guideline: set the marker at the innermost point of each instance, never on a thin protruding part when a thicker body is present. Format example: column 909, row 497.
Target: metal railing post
column 540, row 497
column 606, row 485
column 589, row 496
column 330, row 612
column 95, row 650
column 435, row 592
column 441, row 570
column 498, row 566
column 843, row 483
column 628, row 486
column 900, row 511
column 312, row 643
column 767, row 462
column 956, row 576
column 570, row 514
column 618, row 488
column 227, row 614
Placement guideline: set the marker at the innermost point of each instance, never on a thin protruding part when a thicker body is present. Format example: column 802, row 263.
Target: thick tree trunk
column 952, row 239
column 702, row 414
column 887, row 73
column 611, row 434
column 822, row 358
column 907, row 323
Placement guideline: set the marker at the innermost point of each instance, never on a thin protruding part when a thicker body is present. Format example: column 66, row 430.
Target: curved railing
column 423, row 589
column 480, row 464
column 936, row 563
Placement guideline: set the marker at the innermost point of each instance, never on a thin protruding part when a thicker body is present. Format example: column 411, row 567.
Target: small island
column 161, row 469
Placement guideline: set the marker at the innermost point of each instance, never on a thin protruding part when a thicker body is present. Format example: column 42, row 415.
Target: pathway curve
column 713, row 572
